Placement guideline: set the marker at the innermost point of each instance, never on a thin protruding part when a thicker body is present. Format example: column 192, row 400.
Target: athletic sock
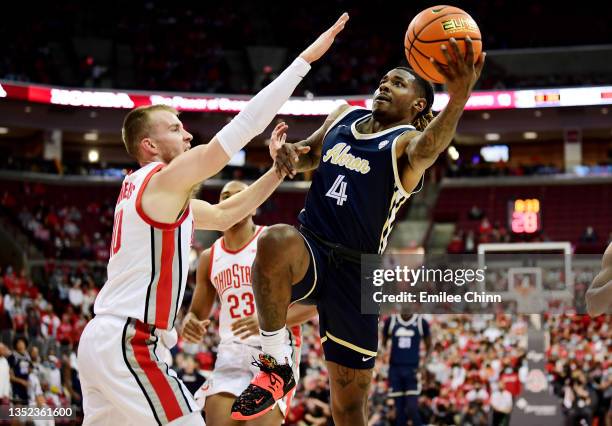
column 275, row 343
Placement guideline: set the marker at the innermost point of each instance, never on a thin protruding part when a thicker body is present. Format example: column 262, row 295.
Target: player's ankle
column 274, row 343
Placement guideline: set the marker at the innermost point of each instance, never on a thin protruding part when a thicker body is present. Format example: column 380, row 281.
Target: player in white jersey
column 123, row 380
column 224, row 271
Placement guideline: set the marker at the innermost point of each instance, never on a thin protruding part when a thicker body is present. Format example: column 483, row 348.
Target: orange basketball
column 432, row 28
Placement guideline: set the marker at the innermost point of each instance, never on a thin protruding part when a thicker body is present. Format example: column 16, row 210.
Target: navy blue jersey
column 356, row 190
column 405, row 338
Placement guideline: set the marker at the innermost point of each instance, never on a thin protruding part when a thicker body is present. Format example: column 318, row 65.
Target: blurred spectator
column 475, row 213
column 501, row 404
column 20, row 363
column 190, row 375
column 589, row 235
column 75, row 295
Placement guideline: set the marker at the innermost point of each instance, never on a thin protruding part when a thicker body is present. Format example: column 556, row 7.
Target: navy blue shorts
column 349, row 337
column 403, row 380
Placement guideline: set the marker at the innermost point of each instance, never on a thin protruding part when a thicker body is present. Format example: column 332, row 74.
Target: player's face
column 395, row 96
column 168, row 135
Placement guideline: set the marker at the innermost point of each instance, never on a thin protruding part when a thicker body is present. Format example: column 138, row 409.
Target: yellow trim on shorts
column 323, row 339
column 349, row 345
column 314, row 265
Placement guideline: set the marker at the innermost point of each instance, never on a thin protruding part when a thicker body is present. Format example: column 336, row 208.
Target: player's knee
column 348, row 411
column 277, row 243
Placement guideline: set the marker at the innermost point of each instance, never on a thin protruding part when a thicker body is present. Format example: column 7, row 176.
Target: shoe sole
column 239, row 416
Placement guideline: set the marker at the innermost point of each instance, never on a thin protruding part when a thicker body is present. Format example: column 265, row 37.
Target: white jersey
column 149, row 262
column 230, row 274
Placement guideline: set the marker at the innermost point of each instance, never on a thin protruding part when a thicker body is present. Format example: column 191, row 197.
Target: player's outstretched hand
column 285, row 155
column 193, row 328
column 325, row 40
column 245, row 327
column 278, row 138
column 462, row 72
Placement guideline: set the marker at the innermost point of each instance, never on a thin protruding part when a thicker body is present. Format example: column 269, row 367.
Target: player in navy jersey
column 405, row 332
column 367, row 164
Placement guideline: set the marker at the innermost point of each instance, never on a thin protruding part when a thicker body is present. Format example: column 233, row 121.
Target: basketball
column 430, row 29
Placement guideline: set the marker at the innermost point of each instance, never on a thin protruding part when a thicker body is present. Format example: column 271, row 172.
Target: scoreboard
column 524, row 216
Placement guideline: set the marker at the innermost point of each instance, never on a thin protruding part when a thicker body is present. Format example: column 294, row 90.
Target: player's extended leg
column 412, row 404
column 218, row 408
column 400, row 410
column 349, row 394
column 282, row 260
column 272, row 418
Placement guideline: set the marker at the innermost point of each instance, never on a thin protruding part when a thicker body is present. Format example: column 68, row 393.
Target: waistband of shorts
column 122, row 320
column 336, row 250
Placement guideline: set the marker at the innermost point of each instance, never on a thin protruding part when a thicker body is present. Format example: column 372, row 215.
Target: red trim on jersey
column 296, row 330
column 288, row 399
column 259, row 229
column 163, row 297
column 210, row 262
column 156, row 377
column 142, row 213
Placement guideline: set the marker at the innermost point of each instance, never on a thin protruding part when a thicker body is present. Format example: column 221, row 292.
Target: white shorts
column 123, row 380
column 234, row 370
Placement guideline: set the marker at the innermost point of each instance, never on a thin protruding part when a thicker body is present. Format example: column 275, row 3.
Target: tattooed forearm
column 436, row 137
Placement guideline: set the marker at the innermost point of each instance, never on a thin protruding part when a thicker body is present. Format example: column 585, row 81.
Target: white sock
column 275, row 343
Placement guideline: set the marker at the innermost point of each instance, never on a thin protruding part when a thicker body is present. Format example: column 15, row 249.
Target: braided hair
column 423, row 118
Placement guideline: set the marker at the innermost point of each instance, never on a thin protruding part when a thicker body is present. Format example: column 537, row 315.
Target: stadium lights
column 492, row 136
column 453, row 153
column 203, row 102
column 530, row 135
column 93, row 155
column 91, row 136
column 3, row 130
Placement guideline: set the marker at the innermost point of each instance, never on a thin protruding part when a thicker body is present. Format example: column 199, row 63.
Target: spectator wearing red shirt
column 456, row 245
column 65, row 331
column 10, row 279
column 511, row 382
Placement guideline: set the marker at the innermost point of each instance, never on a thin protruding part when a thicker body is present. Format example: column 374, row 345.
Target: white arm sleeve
column 260, row 110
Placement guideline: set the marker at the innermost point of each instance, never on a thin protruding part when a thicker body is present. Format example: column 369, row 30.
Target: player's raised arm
column 204, row 161
column 196, row 320
column 461, row 75
column 232, row 210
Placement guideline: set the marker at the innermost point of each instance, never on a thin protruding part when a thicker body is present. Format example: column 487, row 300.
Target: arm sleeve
column 260, row 110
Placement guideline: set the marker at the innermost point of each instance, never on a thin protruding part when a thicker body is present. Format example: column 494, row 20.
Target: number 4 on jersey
column 338, row 190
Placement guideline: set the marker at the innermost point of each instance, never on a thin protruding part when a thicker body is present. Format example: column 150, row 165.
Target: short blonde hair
column 136, row 126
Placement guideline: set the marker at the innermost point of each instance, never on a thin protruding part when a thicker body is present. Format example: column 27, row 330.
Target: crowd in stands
column 61, row 226
column 477, row 360
column 481, row 230
column 152, row 45
column 579, row 363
